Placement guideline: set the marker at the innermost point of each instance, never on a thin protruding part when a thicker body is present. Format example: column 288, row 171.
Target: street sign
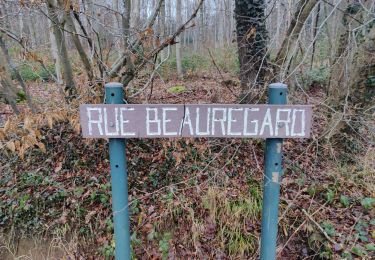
column 117, row 121
column 188, row 120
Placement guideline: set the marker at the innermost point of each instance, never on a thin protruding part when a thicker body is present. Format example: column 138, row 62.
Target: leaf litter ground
column 191, row 198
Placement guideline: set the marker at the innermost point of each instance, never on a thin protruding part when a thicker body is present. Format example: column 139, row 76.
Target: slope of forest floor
column 189, row 198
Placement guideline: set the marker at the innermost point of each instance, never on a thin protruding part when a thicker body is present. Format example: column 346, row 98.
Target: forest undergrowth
column 188, row 198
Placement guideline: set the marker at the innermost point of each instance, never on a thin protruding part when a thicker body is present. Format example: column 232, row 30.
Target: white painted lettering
column 267, row 121
column 149, row 121
column 91, row 121
column 280, row 123
column 302, row 120
column 245, row 122
column 124, row 121
column 165, row 120
column 220, row 120
column 187, row 121
column 197, row 122
column 232, row 120
column 111, row 124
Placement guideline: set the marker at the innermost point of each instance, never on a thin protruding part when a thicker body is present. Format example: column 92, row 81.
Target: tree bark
column 77, row 43
column 285, row 53
column 251, row 41
column 8, row 87
column 313, row 34
column 70, row 87
column 162, row 30
column 136, row 5
column 178, row 44
column 126, row 22
column 17, row 74
column 55, row 55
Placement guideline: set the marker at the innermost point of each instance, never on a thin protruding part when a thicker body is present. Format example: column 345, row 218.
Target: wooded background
column 115, row 40
column 196, row 198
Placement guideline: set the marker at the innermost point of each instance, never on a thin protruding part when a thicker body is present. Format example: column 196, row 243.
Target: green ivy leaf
column 344, row 201
column 368, row 203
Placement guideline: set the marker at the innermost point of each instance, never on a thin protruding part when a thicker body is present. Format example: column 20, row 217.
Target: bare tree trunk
column 17, row 74
column 162, row 28
column 303, row 11
column 57, row 26
column 8, row 87
column 55, row 55
column 313, row 35
column 337, row 72
column 77, row 43
column 126, row 22
column 134, row 21
column 20, row 22
column 178, row 44
column 201, row 27
column 33, row 36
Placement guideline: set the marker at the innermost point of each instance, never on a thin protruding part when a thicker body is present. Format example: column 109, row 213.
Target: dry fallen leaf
column 11, row 146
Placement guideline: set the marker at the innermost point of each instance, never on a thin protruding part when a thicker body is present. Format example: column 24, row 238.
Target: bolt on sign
column 213, row 120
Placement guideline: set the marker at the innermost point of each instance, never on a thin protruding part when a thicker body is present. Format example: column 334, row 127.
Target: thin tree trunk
column 162, row 28
column 8, row 87
column 126, row 23
column 17, row 74
column 283, row 56
column 55, row 55
column 77, row 43
column 178, row 44
column 314, row 30
column 136, row 5
column 70, row 87
column 33, row 35
column 337, row 72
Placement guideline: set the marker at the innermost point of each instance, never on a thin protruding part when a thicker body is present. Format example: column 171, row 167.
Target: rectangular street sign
column 191, row 120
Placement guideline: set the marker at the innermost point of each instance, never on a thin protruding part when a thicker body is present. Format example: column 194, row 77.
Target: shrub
column 29, row 73
column 318, row 76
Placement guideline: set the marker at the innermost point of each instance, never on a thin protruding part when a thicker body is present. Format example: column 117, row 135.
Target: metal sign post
column 271, row 184
column 114, row 94
column 117, row 121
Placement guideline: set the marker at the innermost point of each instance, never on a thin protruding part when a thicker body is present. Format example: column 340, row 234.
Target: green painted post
column 114, row 94
column 277, row 93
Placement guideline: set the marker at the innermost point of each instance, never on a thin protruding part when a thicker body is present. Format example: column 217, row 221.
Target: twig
column 120, row 62
column 213, row 62
column 170, row 40
column 319, row 227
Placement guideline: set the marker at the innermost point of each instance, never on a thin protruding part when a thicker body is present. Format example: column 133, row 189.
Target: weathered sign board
column 118, row 121
column 213, row 120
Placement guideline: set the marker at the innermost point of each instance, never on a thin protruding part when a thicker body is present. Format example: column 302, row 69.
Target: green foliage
column 318, row 76
column 177, row 89
column 30, row 72
column 368, row 203
column 370, row 82
column 330, row 195
column 164, row 244
column 108, row 250
column 346, row 255
column 134, row 207
column 328, row 228
column 194, row 62
column 21, row 96
column 344, row 201
column 361, row 230
column 370, row 247
column 359, row 251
